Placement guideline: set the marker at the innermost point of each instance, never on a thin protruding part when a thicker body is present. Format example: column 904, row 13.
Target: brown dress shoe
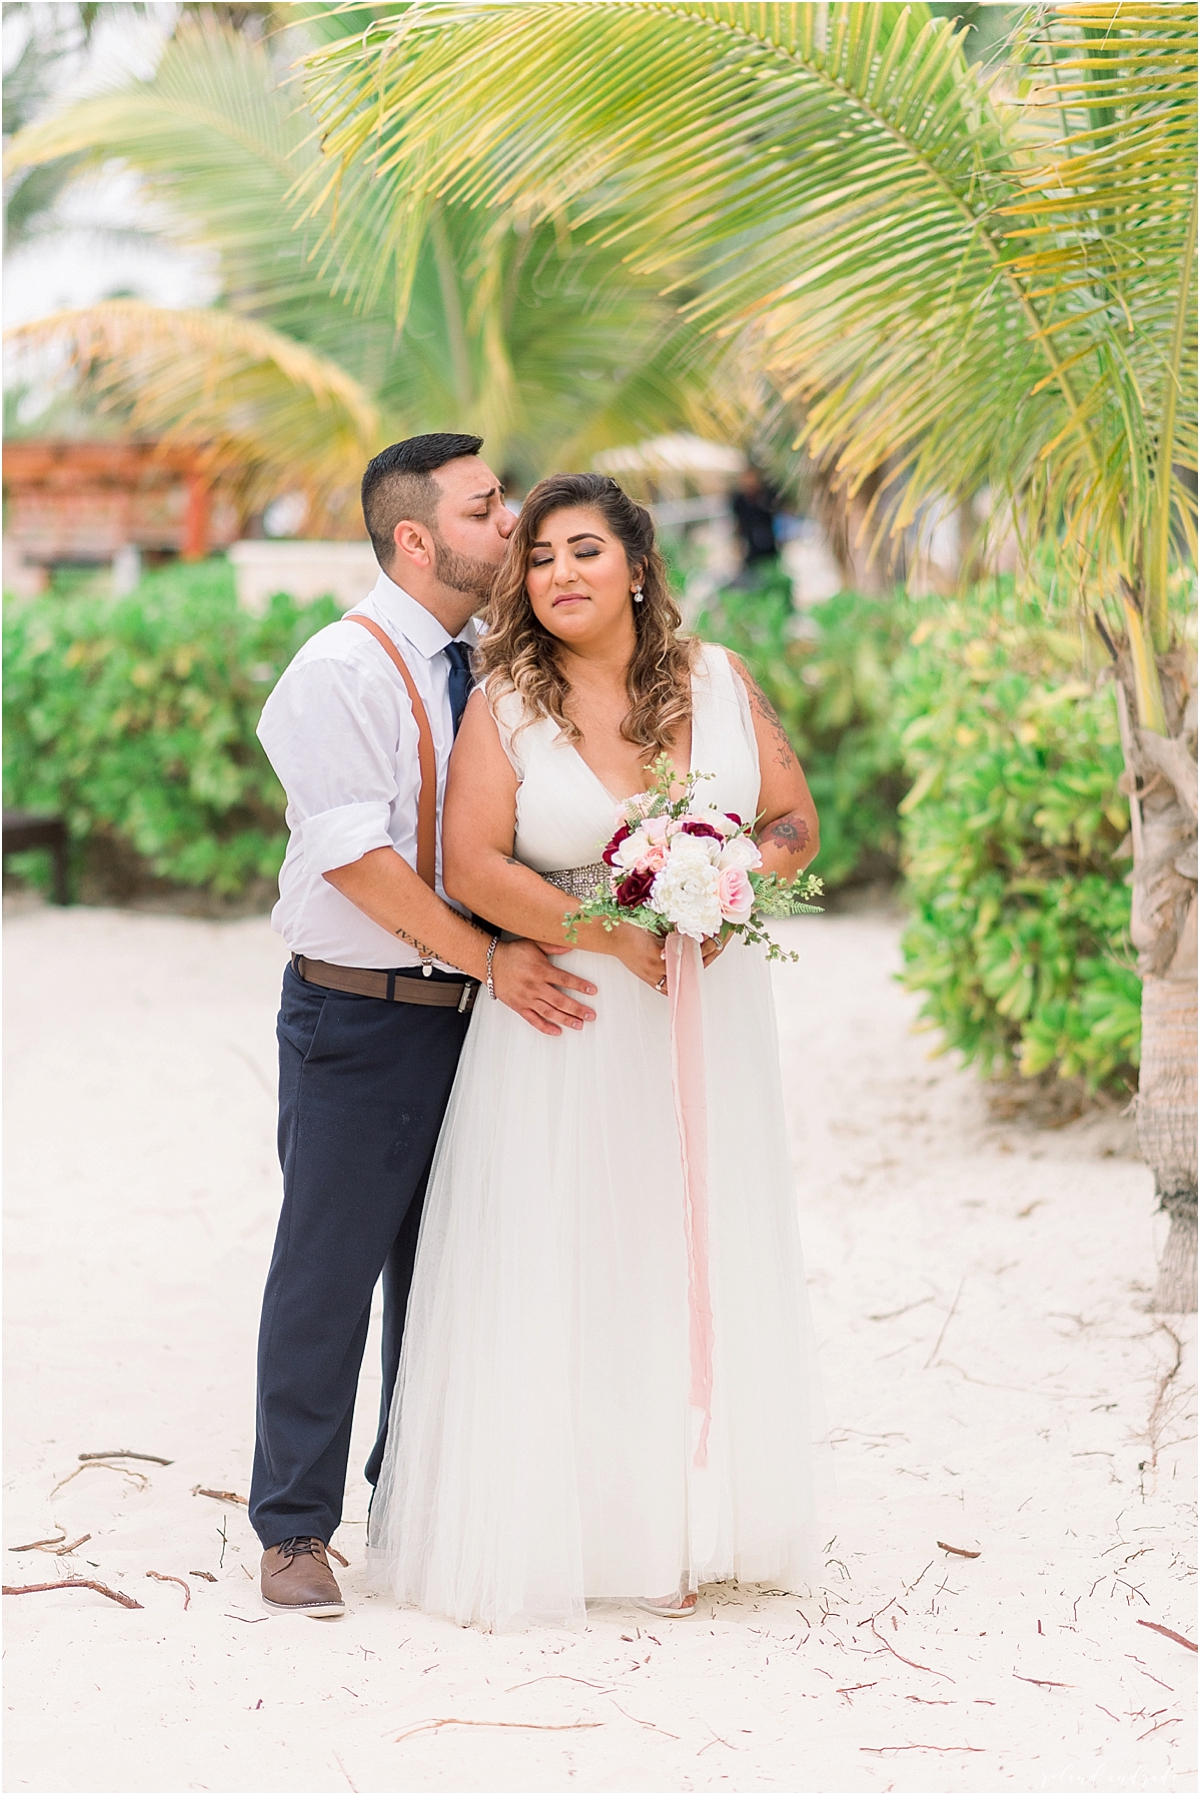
column 296, row 1579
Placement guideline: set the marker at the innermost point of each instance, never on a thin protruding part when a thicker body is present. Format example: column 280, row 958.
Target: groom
column 375, row 1003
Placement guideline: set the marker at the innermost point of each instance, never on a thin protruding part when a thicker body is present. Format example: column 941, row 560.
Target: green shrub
column 134, row 718
column 1019, row 936
column 828, row 674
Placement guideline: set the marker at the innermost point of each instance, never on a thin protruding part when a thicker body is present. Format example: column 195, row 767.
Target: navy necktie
column 459, row 656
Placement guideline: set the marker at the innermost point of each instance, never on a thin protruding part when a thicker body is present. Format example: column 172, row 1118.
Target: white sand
column 992, row 1377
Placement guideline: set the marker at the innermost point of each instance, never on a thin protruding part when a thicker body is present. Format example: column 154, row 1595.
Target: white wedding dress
column 542, row 1446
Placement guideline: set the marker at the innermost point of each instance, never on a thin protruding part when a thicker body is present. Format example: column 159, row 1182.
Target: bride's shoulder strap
column 508, row 713
column 727, row 685
column 715, row 667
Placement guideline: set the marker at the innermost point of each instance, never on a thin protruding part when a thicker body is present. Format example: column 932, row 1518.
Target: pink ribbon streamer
column 684, row 968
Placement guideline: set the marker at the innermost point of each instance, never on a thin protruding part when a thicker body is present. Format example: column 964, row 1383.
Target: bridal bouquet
column 675, row 865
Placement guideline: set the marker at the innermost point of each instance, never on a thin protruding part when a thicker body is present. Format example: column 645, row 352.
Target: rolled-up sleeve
column 339, row 837
column 331, row 736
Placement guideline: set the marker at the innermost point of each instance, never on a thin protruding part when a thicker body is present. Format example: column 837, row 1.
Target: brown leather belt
column 392, row 987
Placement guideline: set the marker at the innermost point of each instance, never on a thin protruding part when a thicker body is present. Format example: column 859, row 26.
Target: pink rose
column 735, row 894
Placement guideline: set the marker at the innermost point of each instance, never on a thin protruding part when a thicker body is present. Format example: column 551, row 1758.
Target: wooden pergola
column 69, row 501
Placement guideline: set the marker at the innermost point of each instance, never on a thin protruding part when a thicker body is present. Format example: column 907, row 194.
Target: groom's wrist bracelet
column 491, row 955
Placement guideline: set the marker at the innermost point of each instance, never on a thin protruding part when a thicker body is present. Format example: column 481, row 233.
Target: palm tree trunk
column 1160, row 777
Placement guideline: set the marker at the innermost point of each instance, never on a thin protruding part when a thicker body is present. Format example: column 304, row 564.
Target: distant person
column 755, row 506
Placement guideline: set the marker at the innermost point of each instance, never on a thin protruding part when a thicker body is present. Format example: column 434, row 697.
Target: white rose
column 686, row 893
column 635, row 847
column 742, row 852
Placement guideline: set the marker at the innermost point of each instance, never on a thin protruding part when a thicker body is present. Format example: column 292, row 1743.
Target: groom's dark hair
column 399, row 484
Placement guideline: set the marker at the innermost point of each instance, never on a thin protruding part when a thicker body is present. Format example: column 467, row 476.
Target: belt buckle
column 467, row 998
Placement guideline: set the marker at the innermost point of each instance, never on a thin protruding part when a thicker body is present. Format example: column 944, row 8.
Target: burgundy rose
column 634, row 888
column 700, row 829
column 734, row 817
column 610, row 852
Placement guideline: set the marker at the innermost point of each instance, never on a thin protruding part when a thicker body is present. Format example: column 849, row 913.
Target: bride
column 543, row 1451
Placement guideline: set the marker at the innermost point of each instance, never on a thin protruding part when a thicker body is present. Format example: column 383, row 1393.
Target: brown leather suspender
column 426, row 759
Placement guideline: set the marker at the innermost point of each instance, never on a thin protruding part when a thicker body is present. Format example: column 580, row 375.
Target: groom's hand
column 529, row 982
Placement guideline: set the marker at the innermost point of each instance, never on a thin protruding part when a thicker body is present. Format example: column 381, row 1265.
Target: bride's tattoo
column 785, row 754
column 788, row 832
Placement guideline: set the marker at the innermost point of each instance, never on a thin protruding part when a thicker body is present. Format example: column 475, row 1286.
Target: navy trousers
column 363, row 1087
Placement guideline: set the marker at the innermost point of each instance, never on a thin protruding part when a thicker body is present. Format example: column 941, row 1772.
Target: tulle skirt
column 542, row 1445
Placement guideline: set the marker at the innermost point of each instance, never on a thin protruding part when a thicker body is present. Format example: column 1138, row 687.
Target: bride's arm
column 480, row 870
column 789, row 834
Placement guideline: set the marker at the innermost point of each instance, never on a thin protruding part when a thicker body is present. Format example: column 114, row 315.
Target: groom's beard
column 462, row 573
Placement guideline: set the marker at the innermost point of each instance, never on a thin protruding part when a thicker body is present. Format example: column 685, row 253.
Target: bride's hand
column 642, row 952
column 710, row 948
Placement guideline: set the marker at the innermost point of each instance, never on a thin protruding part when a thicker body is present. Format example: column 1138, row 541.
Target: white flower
column 694, row 848
column 742, row 852
column 686, row 892
column 635, row 847
column 716, row 819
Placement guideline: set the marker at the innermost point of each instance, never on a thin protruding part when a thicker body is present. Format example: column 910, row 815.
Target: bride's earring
column 639, row 597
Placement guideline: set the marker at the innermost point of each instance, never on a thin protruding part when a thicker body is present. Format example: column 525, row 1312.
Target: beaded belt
column 580, row 881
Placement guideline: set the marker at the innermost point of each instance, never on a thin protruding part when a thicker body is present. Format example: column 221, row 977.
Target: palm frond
column 529, row 335
column 255, row 404
column 823, row 172
column 927, row 278
column 1105, row 227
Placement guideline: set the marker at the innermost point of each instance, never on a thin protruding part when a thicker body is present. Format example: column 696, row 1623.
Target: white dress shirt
column 340, row 733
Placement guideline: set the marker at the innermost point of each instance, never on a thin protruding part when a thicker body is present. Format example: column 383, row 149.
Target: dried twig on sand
column 559, row 1676
column 958, row 1551
column 1167, row 1632
column 526, row 1726
column 1042, row 1682
column 161, row 1577
column 1177, row 1721
column 29, row 1589
column 648, row 1724
column 54, row 1545
column 198, row 1489
column 885, row 1748
column 937, row 1345
column 909, row 1661
column 147, row 1458
column 139, row 1477
column 206, row 1576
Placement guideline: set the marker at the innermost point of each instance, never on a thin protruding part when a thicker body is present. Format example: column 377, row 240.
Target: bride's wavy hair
column 522, row 654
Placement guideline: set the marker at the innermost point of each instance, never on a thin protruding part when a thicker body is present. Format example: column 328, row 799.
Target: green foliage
column 828, row 674
column 134, row 718
column 1013, row 827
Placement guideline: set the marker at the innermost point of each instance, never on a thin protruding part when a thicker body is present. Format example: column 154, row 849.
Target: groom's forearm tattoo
column 426, row 953
column 787, row 832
